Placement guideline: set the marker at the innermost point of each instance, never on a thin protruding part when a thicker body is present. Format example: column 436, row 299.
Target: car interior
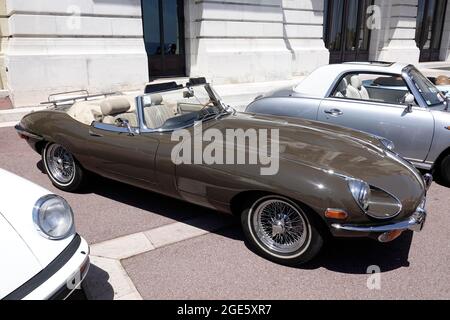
column 372, row 87
column 112, row 110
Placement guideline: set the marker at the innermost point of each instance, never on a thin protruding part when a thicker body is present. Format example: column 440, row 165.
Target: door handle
column 334, row 112
column 93, row 134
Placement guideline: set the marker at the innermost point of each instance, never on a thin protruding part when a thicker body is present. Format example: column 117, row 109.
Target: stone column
column 239, row 41
column 303, row 23
column 395, row 41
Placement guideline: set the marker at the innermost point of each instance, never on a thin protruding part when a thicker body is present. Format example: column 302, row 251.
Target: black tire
column 444, row 171
column 70, row 183
column 313, row 239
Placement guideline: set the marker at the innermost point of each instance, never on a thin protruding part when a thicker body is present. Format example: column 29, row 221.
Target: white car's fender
column 18, row 263
column 18, row 199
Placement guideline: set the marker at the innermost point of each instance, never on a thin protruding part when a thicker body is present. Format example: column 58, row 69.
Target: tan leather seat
column 117, row 107
column 158, row 112
column 86, row 112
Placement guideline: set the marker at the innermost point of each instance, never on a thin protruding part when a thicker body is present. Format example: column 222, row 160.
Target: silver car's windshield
column 431, row 94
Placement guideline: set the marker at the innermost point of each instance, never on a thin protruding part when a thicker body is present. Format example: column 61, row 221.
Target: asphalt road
column 220, row 266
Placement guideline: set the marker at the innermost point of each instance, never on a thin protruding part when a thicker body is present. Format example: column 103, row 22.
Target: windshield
column 181, row 108
column 426, row 88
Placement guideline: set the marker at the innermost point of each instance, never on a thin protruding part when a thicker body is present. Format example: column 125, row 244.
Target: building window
column 164, row 37
column 346, row 33
column 430, row 25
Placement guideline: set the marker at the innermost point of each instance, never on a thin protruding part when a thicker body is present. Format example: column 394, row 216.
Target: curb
column 107, row 278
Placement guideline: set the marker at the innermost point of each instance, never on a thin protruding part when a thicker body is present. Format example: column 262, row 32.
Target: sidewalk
column 236, row 95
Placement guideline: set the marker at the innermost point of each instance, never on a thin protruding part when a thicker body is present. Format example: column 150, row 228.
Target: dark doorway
column 164, row 37
column 346, row 33
column 430, row 24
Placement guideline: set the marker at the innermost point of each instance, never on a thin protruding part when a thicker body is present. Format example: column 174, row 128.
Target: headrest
column 356, row 82
column 156, row 99
column 112, row 106
column 343, row 86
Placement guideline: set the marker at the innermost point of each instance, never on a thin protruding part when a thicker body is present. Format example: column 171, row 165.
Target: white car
column 42, row 257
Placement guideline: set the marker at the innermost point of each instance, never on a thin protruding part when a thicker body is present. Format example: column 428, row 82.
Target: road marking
column 107, row 279
column 180, row 231
column 123, row 247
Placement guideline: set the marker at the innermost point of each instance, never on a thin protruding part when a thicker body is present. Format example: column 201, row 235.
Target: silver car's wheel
column 280, row 226
column 61, row 167
column 281, row 230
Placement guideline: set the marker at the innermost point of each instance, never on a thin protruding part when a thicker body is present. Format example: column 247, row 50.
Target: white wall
column 254, row 40
column 99, row 49
column 395, row 41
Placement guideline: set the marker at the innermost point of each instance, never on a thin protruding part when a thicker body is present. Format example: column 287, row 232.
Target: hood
column 18, row 197
column 18, row 263
column 343, row 151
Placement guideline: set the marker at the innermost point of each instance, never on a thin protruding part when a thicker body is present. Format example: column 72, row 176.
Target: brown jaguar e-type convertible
column 329, row 181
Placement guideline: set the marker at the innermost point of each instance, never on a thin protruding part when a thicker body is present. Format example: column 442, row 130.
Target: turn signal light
column 390, row 236
column 336, row 214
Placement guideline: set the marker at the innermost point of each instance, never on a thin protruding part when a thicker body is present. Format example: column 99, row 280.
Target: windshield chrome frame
column 140, row 109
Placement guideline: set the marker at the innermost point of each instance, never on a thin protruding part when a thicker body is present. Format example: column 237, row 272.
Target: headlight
column 360, row 191
column 53, row 217
column 388, row 144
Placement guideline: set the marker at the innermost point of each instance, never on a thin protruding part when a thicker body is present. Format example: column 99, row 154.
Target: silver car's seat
column 355, row 90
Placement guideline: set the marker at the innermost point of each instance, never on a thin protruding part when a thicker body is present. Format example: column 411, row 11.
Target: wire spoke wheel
column 60, row 163
column 280, row 226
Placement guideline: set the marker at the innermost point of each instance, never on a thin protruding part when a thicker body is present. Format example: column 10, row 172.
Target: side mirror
column 410, row 101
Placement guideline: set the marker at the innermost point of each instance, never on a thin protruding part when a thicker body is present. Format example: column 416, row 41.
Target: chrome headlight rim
column 37, row 214
column 360, row 191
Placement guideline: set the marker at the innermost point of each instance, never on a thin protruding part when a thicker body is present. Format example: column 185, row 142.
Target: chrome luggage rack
column 52, row 101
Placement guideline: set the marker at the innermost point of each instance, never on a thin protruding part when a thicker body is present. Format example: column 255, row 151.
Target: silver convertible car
column 391, row 100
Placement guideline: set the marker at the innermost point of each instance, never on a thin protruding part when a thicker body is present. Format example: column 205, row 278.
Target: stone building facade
column 50, row 46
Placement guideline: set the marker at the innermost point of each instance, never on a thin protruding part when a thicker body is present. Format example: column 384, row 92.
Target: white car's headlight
column 388, row 144
column 360, row 191
column 53, row 217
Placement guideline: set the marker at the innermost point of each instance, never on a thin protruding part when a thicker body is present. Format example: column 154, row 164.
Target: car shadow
column 96, row 285
column 153, row 202
column 357, row 255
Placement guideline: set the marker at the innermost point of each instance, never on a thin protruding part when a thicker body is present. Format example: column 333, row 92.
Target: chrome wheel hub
column 280, row 226
column 60, row 163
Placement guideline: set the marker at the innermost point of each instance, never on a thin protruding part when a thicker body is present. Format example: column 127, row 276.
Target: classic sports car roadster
column 391, row 100
column 330, row 180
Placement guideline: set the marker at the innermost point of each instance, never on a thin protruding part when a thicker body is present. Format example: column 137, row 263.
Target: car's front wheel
column 281, row 230
column 445, row 170
column 61, row 167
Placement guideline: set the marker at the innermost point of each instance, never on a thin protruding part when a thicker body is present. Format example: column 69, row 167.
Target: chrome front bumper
column 414, row 223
